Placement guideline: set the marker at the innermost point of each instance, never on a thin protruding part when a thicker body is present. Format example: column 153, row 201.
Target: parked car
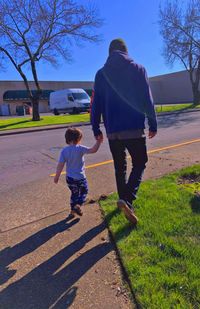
column 73, row 101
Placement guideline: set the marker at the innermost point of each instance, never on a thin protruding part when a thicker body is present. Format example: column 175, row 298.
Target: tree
column 180, row 29
column 34, row 30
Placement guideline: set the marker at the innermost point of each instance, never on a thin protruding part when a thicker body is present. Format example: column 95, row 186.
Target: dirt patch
column 189, row 179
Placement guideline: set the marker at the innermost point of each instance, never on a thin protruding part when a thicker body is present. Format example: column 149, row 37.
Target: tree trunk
column 196, row 95
column 35, row 106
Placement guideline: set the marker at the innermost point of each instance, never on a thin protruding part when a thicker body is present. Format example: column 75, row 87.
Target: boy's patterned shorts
column 79, row 190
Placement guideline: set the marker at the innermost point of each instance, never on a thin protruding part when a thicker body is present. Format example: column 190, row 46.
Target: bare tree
column 34, row 30
column 180, row 29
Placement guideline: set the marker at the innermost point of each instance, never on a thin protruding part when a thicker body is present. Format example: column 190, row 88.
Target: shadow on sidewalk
column 51, row 284
column 11, row 254
column 176, row 120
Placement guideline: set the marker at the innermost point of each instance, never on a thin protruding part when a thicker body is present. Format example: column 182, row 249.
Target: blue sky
column 133, row 20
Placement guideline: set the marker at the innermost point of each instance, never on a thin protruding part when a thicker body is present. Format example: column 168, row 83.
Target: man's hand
column 152, row 134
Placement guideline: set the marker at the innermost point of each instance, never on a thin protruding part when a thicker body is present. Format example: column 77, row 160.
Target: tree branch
column 18, row 69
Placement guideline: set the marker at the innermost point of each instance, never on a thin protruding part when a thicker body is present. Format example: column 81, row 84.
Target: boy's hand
column 99, row 138
column 56, row 178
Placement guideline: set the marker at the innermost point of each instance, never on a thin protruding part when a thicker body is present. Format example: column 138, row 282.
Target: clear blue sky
column 133, row 20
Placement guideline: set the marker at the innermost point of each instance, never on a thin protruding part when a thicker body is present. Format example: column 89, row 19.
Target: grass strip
column 26, row 122
column 162, row 255
column 173, row 108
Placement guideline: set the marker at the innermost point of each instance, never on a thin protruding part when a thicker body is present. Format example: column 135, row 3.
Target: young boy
column 73, row 156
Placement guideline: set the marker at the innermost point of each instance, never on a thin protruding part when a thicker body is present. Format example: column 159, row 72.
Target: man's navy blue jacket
column 122, row 96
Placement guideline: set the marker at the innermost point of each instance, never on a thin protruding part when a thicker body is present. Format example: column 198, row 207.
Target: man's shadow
column 11, row 254
column 176, row 120
column 50, row 285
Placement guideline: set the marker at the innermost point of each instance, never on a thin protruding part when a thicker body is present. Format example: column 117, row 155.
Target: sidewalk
column 47, row 262
column 79, row 124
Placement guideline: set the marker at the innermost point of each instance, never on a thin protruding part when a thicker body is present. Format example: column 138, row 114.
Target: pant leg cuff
column 130, row 205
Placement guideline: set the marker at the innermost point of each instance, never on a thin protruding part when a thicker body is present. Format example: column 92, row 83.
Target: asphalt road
column 32, row 156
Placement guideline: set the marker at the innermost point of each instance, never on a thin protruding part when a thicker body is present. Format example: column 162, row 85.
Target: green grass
column 172, row 108
column 26, row 122
column 162, row 255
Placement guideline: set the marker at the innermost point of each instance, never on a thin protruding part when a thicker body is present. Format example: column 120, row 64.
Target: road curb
column 78, row 124
column 48, row 128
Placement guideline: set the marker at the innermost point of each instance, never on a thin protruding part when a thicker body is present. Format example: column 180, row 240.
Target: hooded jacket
column 122, row 96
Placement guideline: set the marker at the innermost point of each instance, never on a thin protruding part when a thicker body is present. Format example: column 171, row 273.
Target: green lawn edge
column 162, row 255
column 176, row 107
column 26, row 122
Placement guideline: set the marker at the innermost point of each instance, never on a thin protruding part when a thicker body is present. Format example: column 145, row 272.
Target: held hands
column 152, row 134
column 99, row 138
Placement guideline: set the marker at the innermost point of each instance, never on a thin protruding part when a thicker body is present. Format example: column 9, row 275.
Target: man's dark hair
column 118, row 44
column 73, row 135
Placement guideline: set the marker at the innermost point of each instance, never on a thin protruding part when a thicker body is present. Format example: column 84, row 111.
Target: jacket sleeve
column 147, row 98
column 96, row 111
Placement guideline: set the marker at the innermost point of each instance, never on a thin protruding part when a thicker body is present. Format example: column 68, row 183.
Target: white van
column 73, row 101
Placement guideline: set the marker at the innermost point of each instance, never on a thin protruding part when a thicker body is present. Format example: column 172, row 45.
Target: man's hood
column 117, row 60
column 120, row 72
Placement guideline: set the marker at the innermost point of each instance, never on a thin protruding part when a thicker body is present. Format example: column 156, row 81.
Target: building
column 14, row 94
column 166, row 89
column 172, row 88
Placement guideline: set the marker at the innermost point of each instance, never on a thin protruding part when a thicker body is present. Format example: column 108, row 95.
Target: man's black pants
column 127, row 188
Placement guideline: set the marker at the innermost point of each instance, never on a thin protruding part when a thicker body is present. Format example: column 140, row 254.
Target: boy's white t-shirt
column 73, row 156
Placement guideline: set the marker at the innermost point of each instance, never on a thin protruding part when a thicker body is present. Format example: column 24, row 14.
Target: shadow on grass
column 124, row 231
column 14, row 123
column 195, row 203
column 52, row 283
column 111, row 214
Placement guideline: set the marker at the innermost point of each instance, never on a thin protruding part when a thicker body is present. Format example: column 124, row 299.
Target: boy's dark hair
column 73, row 135
column 118, row 44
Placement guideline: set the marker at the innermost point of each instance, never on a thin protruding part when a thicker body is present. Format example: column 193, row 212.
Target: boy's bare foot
column 129, row 214
column 78, row 210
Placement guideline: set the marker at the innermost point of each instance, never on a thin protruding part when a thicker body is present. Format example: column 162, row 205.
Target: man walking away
column 122, row 96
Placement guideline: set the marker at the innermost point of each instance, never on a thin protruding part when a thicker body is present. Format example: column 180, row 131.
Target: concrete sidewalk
column 47, row 262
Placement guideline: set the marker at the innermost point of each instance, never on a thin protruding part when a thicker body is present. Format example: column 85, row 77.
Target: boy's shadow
column 11, row 254
column 50, row 285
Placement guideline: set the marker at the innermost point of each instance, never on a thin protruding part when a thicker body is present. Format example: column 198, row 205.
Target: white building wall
column 172, row 88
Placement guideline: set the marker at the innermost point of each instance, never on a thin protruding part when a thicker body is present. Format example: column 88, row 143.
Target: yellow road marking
column 174, row 146
column 149, row 152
